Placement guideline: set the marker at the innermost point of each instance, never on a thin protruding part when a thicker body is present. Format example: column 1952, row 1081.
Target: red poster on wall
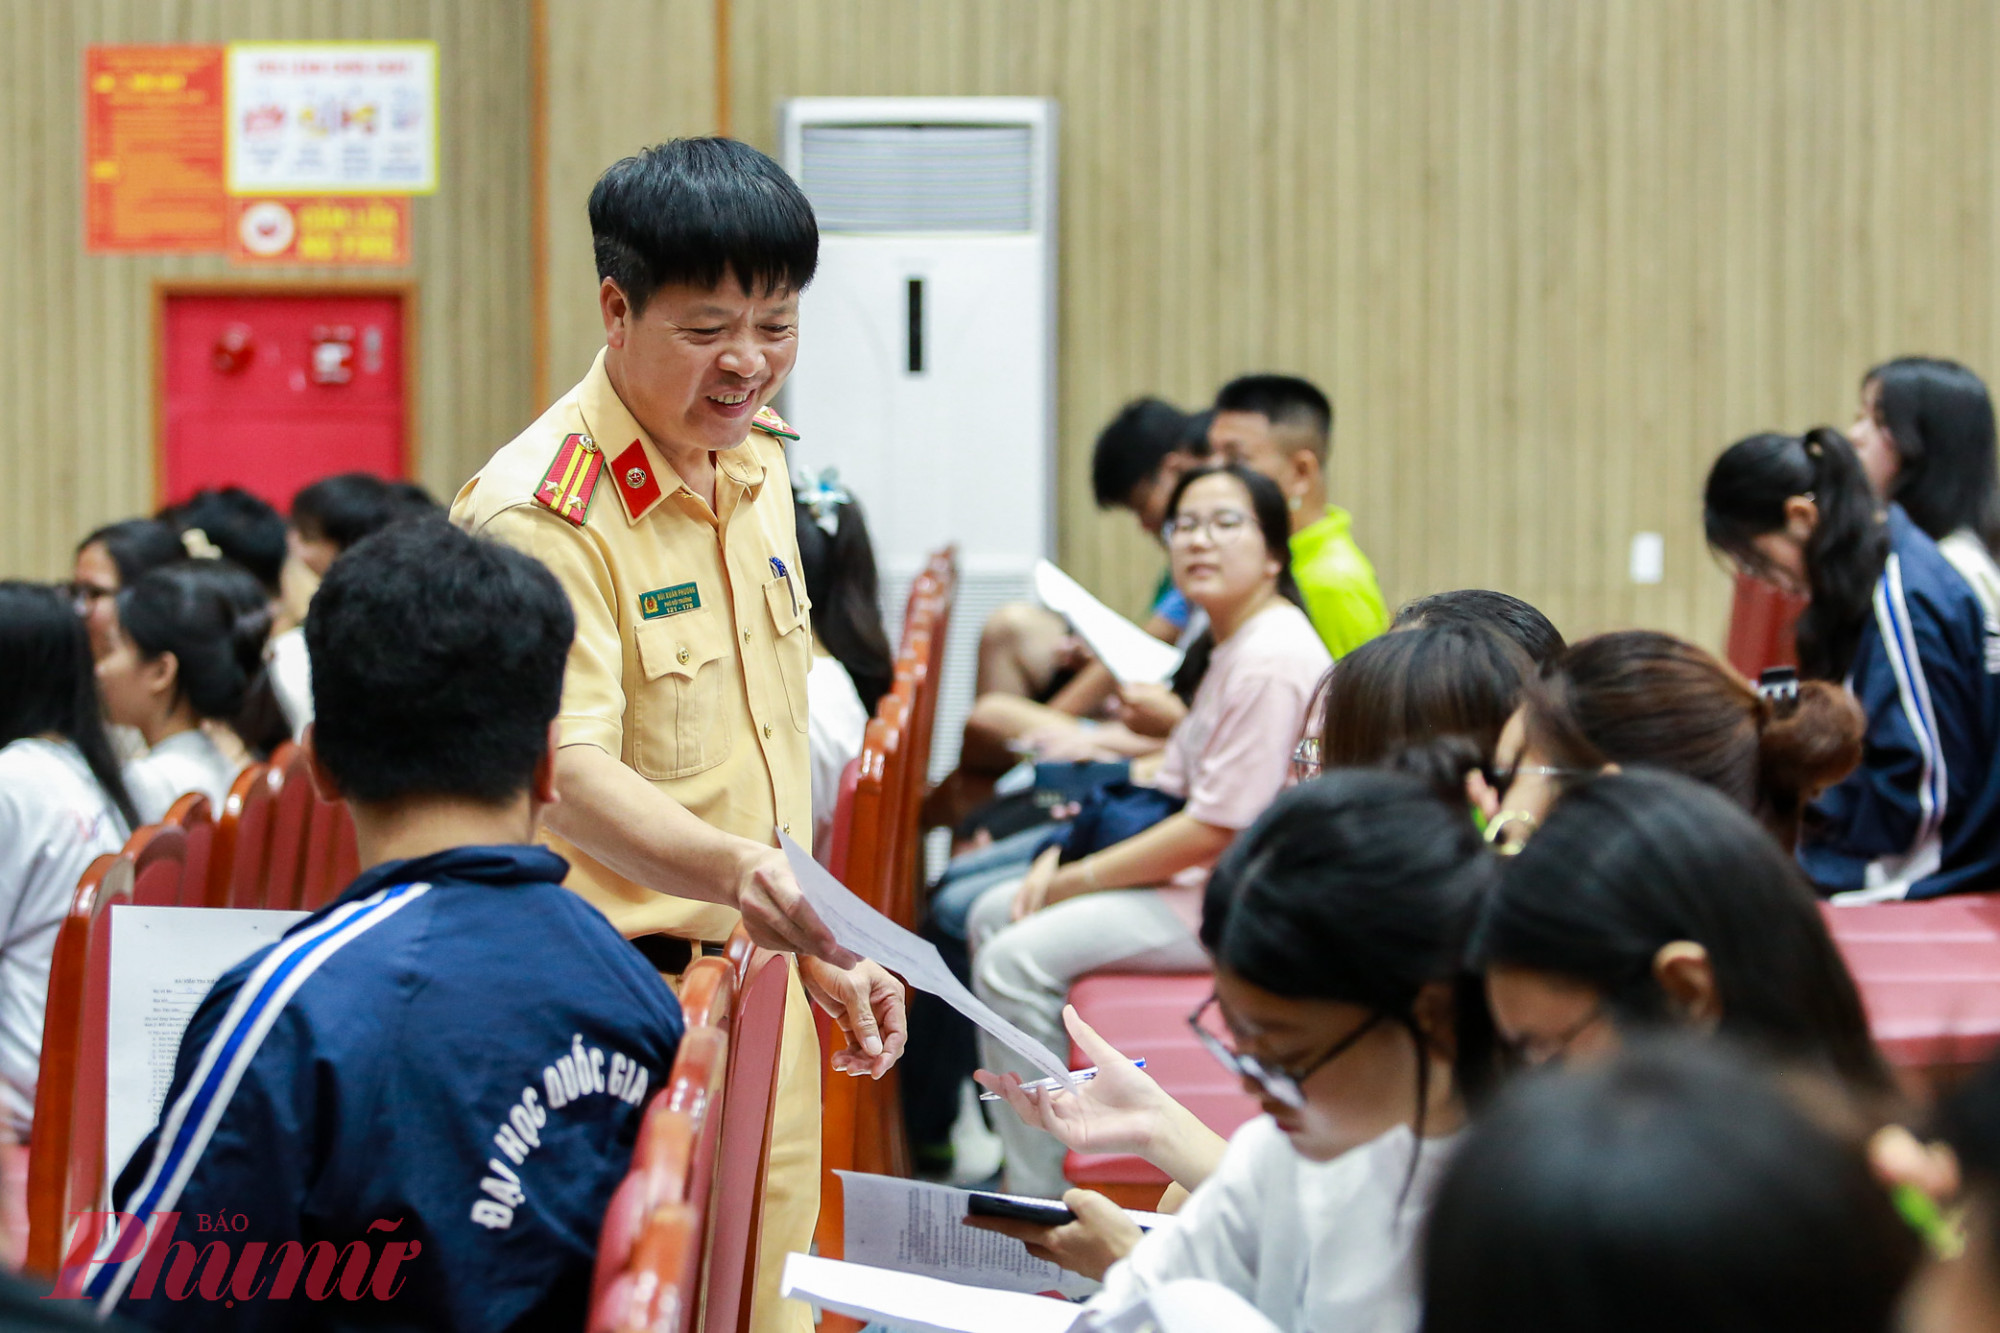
column 338, row 230
column 154, row 122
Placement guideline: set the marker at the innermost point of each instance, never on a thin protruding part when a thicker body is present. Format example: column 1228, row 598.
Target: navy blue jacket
column 1921, row 816
column 458, row 1054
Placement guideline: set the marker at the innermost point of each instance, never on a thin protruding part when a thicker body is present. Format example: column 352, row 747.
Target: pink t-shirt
column 1232, row 753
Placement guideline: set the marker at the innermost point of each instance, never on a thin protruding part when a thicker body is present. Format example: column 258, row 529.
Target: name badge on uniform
column 669, row 601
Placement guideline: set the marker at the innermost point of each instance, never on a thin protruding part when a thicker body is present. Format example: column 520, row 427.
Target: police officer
column 657, row 492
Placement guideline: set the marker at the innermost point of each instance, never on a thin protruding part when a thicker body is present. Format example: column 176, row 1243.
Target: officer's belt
column 672, row 955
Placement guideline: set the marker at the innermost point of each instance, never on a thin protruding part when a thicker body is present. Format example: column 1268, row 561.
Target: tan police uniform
column 689, row 664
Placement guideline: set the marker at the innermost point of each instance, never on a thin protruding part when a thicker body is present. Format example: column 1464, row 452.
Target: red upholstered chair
column 842, row 832
column 1929, row 973
column 66, row 1149
column 743, row 1154
column 159, row 864
column 648, row 1274
column 195, row 818
column 243, row 838
column 1761, row 620
column 316, row 870
column 291, row 817
column 1146, row 1015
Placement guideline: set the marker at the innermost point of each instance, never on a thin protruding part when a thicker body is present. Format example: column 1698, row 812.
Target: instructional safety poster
column 330, row 118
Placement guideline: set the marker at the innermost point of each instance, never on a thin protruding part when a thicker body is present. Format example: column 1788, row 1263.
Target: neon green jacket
column 1342, row 597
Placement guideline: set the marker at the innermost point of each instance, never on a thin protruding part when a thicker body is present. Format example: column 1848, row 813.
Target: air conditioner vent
column 889, row 178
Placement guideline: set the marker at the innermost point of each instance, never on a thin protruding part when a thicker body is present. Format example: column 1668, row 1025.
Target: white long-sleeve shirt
column 1317, row 1247
column 183, row 762
column 838, row 725
column 54, row 821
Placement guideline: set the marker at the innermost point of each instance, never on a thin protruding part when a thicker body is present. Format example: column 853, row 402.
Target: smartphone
column 1043, row 1212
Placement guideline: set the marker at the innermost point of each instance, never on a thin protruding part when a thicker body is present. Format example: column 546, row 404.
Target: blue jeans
column 973, row 873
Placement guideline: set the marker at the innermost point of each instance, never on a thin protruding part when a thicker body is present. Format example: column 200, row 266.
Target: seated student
column 852, row 667
column 1130, row 903
column 62, row 805
column 110, row 560
column 1335, row 924
column 1648, row 900
column 408, row 1069
column 1282, row 426
column 1534, row 632
column 1890, row 616
column 329, row 516
column 1925, row 436
column 188, row 649
column 1025, row 696
column 237, row 526
column 1677, row 1187
column 1641, row 697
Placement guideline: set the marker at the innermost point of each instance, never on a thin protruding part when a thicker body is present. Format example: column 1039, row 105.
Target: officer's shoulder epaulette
column 571, row 480
column 772, row 424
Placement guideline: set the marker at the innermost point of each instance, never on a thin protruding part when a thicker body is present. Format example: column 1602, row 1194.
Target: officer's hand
column 867, row 1003
column 776, row 913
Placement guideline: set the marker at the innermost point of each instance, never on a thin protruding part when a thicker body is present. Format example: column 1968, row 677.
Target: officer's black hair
column 137, row 546
column 346, row 508
column 213, row 616
column 238, row 524
column 690, row 211
column 1285, row 400
column 437, row 665
column 1131, row 449
column 48, row 684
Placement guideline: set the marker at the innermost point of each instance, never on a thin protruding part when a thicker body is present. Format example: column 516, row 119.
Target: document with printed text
column 913, row 1304
column 867, row 932
column 912, row 1226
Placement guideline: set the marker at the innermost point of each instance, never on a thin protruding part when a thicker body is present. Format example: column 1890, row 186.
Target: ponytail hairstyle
column 213, row 616
column 1418, row 685
column 1631, row 862
column 1274, row 521
column 48, row 683
column 1360, row 887
column 838, row 562
column 1939, row 419
column 1641, row 697
column 1745, row 499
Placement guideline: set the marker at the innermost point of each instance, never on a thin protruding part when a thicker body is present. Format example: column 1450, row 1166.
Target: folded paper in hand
column 913, row 1304
column 857, row 926
column 1129, row 653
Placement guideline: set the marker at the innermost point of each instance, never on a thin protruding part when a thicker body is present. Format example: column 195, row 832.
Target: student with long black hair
column 1336, row 924
column 1925, row 436
column 188, row 649
column 852, row 666
column 62, row 804
column 1677, row 1187
column 1900, row 626
column 1116, row 901
column 1650, row 901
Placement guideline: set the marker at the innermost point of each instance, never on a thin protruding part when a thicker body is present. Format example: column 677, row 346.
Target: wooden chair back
column 840, row 836
column 648, row 1273
column 159, row 864
column 195, row 817
column 243, row 838
column 66, row 1148
column 316, row 887
column 743, row 1154
column 291, row 818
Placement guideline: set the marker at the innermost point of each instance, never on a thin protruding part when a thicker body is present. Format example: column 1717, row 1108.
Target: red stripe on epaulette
column 637, row 486
column 567, row 486
column 772, row 424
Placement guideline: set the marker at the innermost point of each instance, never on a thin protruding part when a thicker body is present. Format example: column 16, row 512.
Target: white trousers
column 1024, row 970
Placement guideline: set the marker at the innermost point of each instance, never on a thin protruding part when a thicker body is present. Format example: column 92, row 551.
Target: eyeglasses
column 1283, row 1085
column 83, row 596
column 1551, row 1050
column 1221, row 526
column 1306, row 760
column 1500, row 779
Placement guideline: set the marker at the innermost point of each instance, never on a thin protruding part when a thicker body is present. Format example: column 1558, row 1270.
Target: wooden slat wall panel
column 76, row 352
column 1549, row 257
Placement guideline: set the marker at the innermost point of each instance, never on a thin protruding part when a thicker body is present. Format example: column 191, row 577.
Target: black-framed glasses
column 1552, row 1049
column 1283, row 1085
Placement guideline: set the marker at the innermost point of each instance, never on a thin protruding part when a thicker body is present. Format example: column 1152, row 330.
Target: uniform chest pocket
column 792, row 631
column 681, row 711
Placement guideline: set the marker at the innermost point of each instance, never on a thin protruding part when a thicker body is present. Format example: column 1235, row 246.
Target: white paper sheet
column 859, row 927
column 912, row 1226
column 1128, row 652
column 163, row 961
column 919, row 1304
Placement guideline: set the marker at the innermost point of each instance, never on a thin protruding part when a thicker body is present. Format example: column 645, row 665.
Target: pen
column 1049, row 1084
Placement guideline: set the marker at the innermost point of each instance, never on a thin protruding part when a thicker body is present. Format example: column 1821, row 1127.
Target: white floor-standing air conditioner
column 926, row 369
